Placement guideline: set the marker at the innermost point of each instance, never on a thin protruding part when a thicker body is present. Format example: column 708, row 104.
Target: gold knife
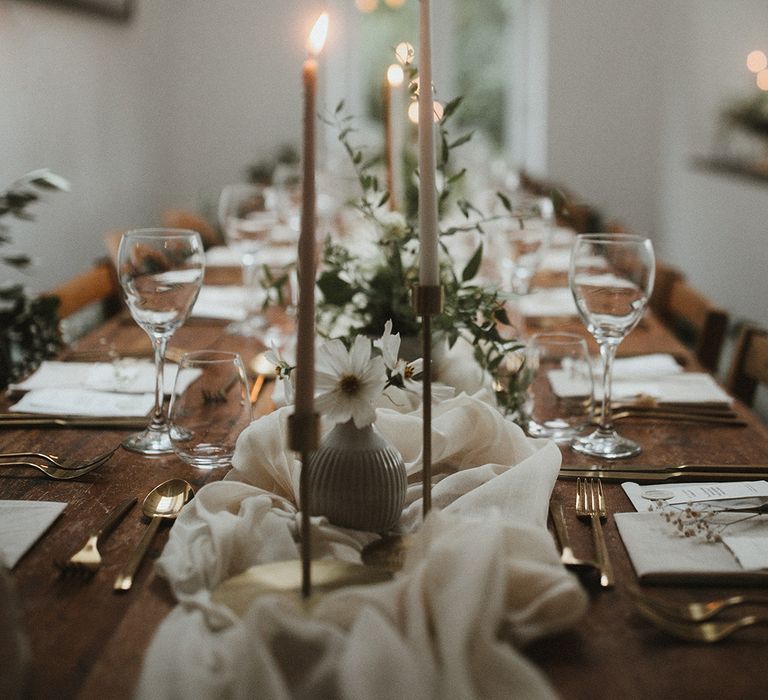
column 686, row 473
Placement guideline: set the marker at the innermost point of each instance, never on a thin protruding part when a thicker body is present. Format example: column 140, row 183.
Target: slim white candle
column 428, row 261
column 305, row 342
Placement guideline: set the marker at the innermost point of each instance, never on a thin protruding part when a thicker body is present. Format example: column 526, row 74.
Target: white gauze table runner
column 482, row 577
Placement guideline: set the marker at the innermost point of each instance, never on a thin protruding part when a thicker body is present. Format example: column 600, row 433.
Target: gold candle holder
column 304, row 438
column 427, row 302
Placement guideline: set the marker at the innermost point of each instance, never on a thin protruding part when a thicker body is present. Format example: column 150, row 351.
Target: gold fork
column 87, row 559
column 709, row 632
column 696, row 611
column 590, row 503
column 61, row 462
column 56, row 472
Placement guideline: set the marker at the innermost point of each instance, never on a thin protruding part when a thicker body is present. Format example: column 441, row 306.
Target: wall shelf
column 729, row 165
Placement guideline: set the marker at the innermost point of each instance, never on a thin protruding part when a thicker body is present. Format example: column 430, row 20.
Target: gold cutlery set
column 54, row 467
column 692, row 621
column 164, row 502
column 695, row 621
column 590, row 505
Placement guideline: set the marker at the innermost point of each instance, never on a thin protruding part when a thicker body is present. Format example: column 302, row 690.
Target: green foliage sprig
column 365, row 293
column 29, row 330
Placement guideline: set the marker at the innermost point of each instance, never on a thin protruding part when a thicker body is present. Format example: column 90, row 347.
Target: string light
column 395, row 3
column 395, row 75
column 762, row 79
column 757, row 61
column 413, row 111
column 366, row 5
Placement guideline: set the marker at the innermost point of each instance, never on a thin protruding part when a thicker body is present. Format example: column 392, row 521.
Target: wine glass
column 247, row 222
column 611, row 278
column 161, row 272
column 524, row 239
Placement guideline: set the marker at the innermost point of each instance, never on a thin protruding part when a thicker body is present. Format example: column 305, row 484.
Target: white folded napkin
column 21, row 524
column 657, row 375
column 661, row 554
column 127, row 376
column 482, row 568
column 550, row 302
column 556, row 260
column 277, row 255
column 68, row 401
column 226, row 302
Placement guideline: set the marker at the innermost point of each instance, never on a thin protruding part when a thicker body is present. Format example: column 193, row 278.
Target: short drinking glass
column 210, row 407
column 560, row 395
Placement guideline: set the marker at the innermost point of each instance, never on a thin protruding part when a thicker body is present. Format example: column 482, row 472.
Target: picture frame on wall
column 114, row 9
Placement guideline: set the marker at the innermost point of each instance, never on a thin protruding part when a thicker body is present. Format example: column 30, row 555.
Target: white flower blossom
column 348, row 383
column 283, row 371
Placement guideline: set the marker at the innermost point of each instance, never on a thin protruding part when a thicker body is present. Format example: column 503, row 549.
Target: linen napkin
column 277, row 255
column 21, row 524
column 226, row 302
column 68, row 401
column 127, row 376
column 482, row 570
column 657, row 375
column 549, row 302
column 661, row 554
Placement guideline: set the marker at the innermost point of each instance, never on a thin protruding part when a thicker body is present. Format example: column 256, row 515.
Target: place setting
column 358, row 402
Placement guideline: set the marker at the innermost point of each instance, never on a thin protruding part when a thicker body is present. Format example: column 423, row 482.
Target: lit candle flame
column 318, row 34
column 395, row 75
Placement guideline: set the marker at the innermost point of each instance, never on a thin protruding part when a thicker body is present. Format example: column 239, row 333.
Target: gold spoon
column 164, row 502
column 264, row 369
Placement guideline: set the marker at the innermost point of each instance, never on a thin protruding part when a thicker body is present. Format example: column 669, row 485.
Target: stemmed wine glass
column 161, row 272
column 247, row 222
column 611, row 278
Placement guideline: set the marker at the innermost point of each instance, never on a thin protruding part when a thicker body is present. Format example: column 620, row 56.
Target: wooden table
column 89, row 642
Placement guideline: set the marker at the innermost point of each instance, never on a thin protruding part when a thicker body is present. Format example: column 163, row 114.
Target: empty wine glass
column 524, row 239
column 161, row 272
column 611, row 278
column 247, row 222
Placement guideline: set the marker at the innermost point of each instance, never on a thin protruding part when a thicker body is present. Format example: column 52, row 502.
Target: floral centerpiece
column 357, row 477
column 361, row 290
column 29, row 330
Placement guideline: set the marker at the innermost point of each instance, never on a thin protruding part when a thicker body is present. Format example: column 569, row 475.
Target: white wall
column 634, row 95
column 81, row 96
column 164, row 110
column 159, row 112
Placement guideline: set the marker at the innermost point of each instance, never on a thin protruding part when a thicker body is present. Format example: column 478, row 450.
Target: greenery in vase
column 29, row 327
column 359, row 295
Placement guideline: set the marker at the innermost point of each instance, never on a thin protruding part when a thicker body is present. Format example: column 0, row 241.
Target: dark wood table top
column 88, row 642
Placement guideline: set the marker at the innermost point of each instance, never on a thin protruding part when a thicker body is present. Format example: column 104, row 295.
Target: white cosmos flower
column 348, row 384
column 389, row 345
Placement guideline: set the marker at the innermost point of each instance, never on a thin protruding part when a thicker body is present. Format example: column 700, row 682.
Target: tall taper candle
column 428, row 261
column 305, row 344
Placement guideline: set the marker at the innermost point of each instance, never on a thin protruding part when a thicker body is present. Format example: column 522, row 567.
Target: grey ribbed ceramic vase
column 357, row 479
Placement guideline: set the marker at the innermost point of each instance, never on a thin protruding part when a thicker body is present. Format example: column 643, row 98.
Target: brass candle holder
column 304, row 438
column 427, row 302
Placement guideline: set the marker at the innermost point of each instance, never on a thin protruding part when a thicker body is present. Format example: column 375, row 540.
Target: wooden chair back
column 749, row 367
column 87, row 299
column 98, row 284
column 181, row 218
column 696, row 321
column 666, row 276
